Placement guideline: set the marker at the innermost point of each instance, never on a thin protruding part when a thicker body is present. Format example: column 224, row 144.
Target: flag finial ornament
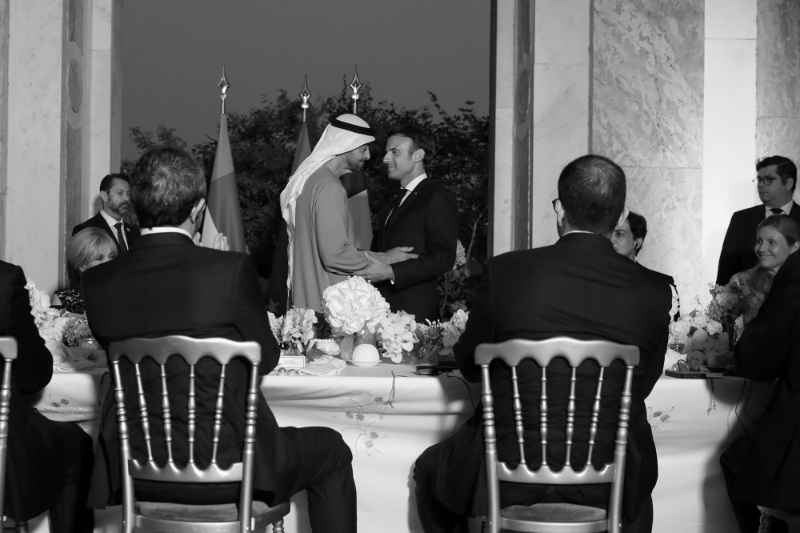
column 223, row 87
column 305, row 94
column 355, row 85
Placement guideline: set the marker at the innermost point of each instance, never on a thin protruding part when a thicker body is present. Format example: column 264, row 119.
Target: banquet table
column 388, row 415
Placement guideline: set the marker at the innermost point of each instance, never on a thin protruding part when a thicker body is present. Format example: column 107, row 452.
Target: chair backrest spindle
column 518, row 415
column 570, row 430
column 218, row 417
column 543, row 417
column 595, row 416
column 8, row 349
column 191, row 414
column 143, row 412
column 167, row 413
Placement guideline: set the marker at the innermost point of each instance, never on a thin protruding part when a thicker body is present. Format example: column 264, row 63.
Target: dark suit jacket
column 769, row 349
column 97, row 221
column 35, row 463
column 738, row 248
column 427, row 220
column 165, row 285
column 581, row 288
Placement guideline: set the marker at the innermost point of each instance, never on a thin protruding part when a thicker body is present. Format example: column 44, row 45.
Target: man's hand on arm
column 395, row 255
column 376, row 270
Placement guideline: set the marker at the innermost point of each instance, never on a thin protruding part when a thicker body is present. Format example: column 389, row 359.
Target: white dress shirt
column 165, row 229
column 785, row 209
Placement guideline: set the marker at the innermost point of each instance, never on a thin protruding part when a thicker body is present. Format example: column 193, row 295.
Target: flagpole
column 223, row 86
column 305, row 95
column 355, row 85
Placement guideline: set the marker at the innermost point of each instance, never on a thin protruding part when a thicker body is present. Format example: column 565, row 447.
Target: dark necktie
column 776, row 211
column 120, row 238
column 398, row 199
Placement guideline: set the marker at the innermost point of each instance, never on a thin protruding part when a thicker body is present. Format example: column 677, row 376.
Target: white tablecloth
column 388, row 420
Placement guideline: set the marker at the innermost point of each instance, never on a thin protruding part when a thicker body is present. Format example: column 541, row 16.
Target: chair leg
column 277, row 527
column 21, row 527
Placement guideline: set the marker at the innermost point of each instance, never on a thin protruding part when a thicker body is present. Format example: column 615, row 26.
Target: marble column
column 778, row 79
column 647, row 103
column 59, row 124
column 512, row 124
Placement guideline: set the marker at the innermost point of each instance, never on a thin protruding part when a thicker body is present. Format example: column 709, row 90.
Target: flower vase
column 349, row 343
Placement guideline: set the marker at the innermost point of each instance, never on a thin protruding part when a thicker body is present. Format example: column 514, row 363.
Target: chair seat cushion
column 225, row 512
column 553, row 512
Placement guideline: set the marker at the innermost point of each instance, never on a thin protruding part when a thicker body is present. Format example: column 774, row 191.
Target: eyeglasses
column 554, row 205
column 766, row 181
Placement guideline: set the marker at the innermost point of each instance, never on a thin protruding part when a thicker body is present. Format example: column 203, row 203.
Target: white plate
column 366, row 364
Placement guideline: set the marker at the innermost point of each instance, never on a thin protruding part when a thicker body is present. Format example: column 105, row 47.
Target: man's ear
column 197, row 209
column 418, row 155
column 795, row 247
column 560, row 213
column 104, row 197
column 637, row 245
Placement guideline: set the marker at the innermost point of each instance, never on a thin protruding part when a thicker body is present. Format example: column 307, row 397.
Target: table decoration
column 60, row 329
column 354, row 309
column 397, row 336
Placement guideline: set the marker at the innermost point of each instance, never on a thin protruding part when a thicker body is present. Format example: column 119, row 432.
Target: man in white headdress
column 322, row 248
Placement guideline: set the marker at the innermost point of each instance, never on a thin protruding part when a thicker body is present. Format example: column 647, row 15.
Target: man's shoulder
column 750, row 212
column 94, row 222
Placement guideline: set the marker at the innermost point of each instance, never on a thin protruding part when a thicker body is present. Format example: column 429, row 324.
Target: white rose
column 713, row 327
column 700, row 320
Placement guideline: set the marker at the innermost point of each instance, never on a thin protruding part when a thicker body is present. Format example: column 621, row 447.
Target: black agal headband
column 352, row 127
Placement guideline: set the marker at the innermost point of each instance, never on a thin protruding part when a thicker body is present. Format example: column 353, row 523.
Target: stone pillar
column 729, row 122
column 60, row 109
column 511, row 125
column 36, row 162
column 778, row 80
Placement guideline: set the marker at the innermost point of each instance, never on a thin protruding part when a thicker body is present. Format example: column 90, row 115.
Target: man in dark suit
column 581, row 288
column 422, row 219
column 165, row 285
column 49, row 464
column 776, row 179
column 763, row 467
column 115, row 193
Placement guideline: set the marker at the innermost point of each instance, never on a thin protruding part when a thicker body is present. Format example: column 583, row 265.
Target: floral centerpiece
column 727, row 304
column 397, row 336
column 354, row 309
column 353, row 305
column 55, row 326
column 296, row 329
column 452, row 330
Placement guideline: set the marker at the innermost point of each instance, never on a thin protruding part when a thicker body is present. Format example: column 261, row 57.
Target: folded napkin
column 66, row 359
column 326, row 365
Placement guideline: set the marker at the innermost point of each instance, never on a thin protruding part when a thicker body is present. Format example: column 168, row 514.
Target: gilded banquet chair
column 555, row 517
column 251, row 516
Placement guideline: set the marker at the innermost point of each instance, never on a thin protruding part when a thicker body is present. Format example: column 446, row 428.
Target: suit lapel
column 410, row 197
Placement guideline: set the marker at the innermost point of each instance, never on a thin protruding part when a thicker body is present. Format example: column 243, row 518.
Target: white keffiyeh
column 334, row 141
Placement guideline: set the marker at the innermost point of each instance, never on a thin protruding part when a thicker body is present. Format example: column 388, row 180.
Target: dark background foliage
column 263, row 144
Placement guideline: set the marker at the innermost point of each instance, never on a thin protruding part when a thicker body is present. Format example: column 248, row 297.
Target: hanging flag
column 277, row 292
column 223, row 214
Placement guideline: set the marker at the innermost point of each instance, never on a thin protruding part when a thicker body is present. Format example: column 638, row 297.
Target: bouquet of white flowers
column 296, row 328
column 352, row 305
column 397, row 333
column 49, row 321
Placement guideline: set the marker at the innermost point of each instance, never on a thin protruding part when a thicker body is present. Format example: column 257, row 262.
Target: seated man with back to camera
column 165, row 285
column 581, row 288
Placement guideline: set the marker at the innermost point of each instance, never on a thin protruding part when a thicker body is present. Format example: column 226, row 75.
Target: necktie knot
column 776, row 211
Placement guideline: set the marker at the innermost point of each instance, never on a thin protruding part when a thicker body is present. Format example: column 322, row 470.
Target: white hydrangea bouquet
column 353, row 305
column 397, row 335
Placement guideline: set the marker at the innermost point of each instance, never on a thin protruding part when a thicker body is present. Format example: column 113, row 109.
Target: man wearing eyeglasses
column 776, row 182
